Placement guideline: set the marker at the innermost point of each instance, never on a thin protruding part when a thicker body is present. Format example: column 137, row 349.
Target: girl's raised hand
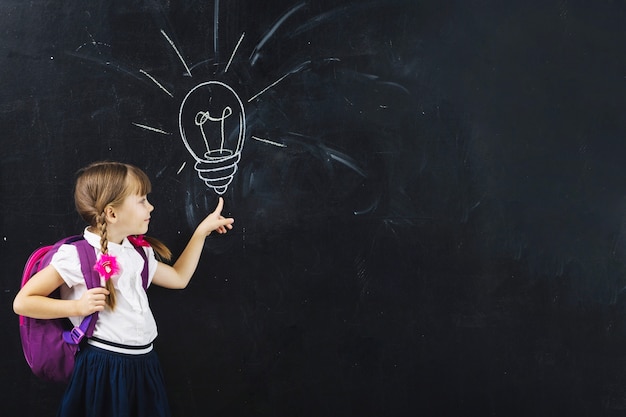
column 179, row 274
column 215, row 221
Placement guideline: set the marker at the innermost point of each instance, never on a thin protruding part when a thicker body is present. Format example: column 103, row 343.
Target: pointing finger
column 220, row 205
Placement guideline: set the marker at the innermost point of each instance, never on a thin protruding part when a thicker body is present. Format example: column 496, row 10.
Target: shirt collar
column 94, row 240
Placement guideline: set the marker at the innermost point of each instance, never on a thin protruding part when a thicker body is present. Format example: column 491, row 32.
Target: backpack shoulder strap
column 144, row 271
column 87, row 258
column 139, row 243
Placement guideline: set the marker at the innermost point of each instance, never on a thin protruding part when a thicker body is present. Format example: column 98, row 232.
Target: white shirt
column 131, row 322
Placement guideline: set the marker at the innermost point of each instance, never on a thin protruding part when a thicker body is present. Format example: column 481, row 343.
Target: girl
column 116, row 373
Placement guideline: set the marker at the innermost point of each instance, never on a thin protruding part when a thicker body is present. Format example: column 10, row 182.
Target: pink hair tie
column 138, row 241
column 107, row 266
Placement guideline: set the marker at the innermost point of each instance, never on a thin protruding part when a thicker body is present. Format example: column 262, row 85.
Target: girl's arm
column 33, row 301
column 178, row 275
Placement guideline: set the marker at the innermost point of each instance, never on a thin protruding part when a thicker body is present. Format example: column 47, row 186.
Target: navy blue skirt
column 109, row 384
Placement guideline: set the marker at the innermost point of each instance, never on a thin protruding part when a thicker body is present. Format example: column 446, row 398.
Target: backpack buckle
column 77, row 335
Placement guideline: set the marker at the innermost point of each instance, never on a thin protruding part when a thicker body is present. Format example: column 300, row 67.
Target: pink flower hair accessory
column 107, row 266
column 138, row 241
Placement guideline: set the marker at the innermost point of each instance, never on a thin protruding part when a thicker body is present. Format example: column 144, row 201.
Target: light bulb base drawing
column 217, row 169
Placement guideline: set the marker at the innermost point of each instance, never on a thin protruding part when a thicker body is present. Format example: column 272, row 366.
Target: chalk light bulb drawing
column 212, row 123
column 212, row 118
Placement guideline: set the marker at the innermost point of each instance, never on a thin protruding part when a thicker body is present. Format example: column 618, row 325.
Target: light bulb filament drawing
column 203, row 117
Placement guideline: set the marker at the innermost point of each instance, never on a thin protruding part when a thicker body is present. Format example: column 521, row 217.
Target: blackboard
column 429, row 196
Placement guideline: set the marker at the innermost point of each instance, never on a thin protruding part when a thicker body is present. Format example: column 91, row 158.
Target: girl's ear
column 110, row 215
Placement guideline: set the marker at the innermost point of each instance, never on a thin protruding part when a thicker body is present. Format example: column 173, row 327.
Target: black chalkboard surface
column 429, row 196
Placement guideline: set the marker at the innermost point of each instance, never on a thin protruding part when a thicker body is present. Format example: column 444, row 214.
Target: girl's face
column 133, row 215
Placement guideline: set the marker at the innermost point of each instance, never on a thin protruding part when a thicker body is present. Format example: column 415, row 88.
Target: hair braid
column 104, row 249
column 102, row 228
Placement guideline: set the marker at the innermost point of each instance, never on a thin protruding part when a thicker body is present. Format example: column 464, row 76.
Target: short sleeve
column 67, row 264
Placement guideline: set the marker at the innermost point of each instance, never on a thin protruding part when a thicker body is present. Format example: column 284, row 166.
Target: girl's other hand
column 215, row 221
column 92, row 300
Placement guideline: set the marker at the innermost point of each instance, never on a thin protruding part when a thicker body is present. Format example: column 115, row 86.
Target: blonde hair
column 104, row 184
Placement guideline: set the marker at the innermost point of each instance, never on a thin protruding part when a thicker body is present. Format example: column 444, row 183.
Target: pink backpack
column 50, row 345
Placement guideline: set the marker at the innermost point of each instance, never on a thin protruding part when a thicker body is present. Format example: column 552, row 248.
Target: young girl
column 116, row 373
